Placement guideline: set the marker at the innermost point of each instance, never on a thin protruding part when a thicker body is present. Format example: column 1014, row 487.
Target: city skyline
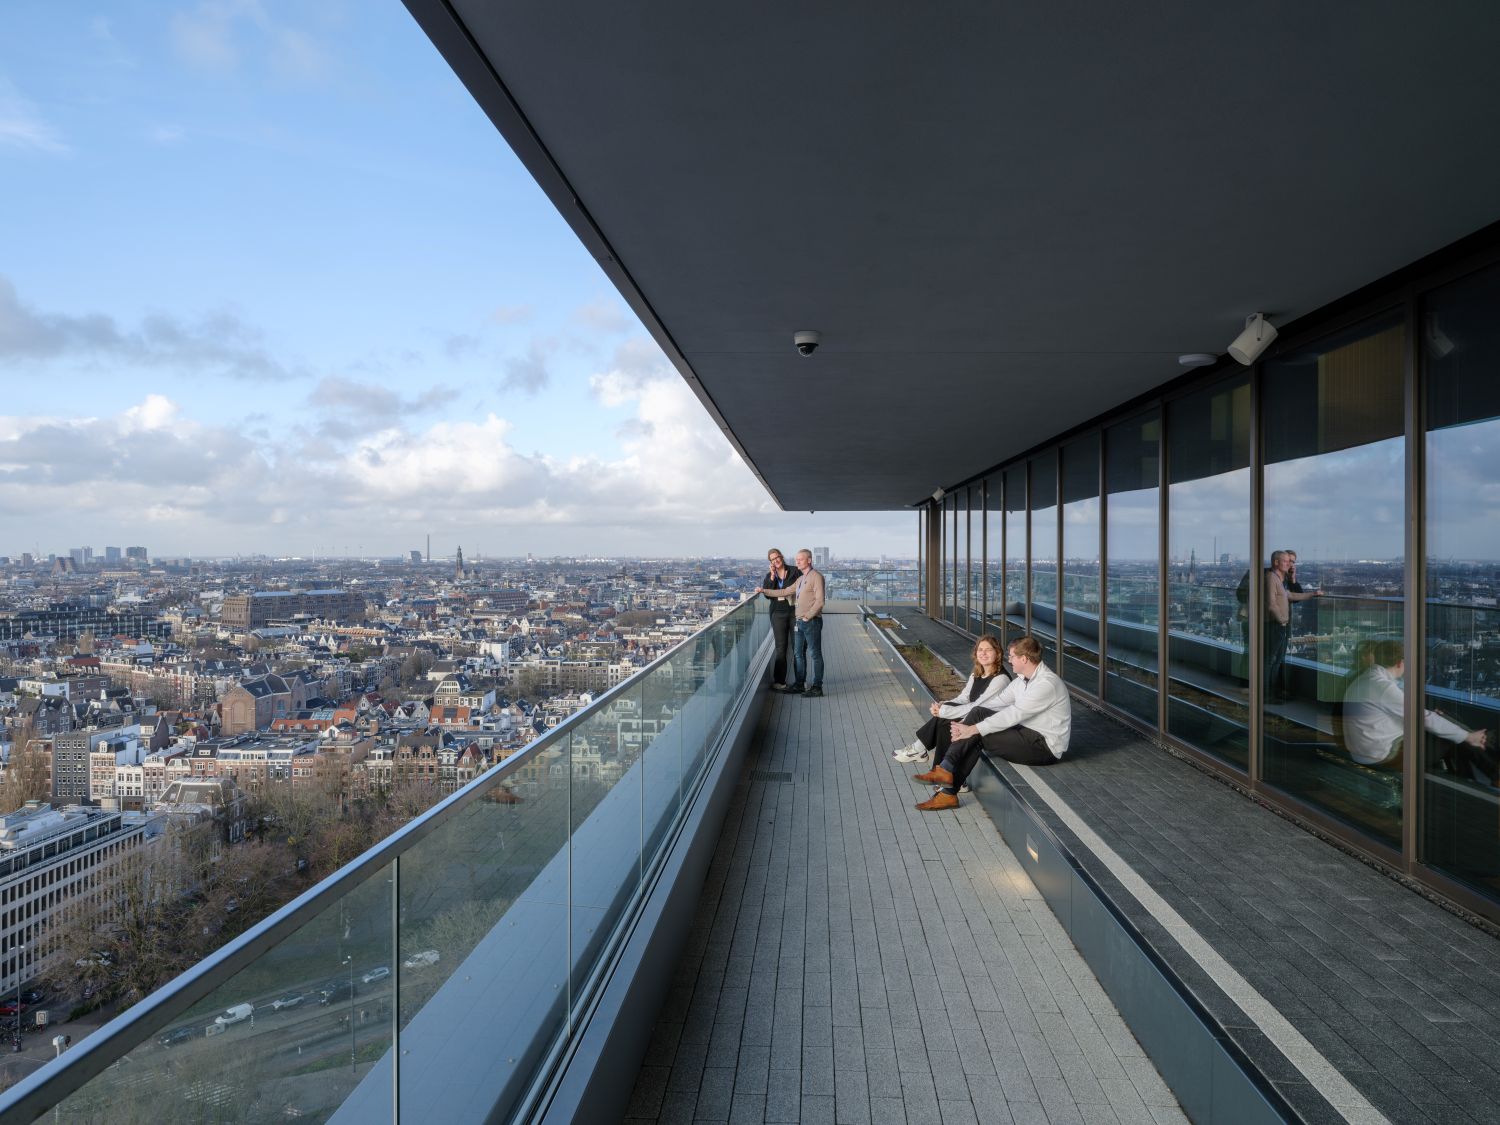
column 319, row 295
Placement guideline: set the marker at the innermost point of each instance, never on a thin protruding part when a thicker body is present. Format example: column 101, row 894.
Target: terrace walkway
column 855, row 960
column 1359, row 999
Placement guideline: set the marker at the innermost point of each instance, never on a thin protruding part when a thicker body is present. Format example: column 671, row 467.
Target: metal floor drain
column 770, row 775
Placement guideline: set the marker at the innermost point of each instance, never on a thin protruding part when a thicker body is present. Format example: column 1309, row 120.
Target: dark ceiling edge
column 451, row 36
column 1472, row 252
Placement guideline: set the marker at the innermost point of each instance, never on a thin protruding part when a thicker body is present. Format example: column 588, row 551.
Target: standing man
column 1279, row 601
column 807, row 641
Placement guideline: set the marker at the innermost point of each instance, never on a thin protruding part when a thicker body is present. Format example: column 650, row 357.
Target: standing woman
column 779, row 577
column 985, row 684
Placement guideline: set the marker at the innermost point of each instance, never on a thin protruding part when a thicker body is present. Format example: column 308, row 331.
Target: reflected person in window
column 1374, row 706
column 973, row 703
column 1278, row 618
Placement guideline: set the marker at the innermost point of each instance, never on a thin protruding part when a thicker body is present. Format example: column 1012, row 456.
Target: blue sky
column 270, row 281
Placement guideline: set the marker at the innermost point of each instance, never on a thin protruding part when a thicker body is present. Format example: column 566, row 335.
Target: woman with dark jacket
column 970, row 705
column 779, row 577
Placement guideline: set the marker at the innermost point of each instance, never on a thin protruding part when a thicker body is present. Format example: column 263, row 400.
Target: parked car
column 380, row 972
column 177, row 1035
column 236, row 1014
column 335, row 991
column 421, row 960
column 11, row 1008
column 33, row 996
column 291, row 1000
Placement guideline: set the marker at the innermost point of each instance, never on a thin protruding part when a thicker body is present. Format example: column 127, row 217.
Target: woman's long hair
column 777, row 551
column 994, row 643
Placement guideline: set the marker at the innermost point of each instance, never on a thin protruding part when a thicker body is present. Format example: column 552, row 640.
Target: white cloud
column 512, row 314
column 213, row 37
column 21, row 126
column 605, row 315
column 165, row 135
column 527, row 372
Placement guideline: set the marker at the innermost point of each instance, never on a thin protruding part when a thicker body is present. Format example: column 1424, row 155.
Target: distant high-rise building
column 251, row 611
column 77, row 555
column 416, row 557
column 458, row 565
column 820, row 557
column 27, row 559
column 136, row 554
column 112, row 556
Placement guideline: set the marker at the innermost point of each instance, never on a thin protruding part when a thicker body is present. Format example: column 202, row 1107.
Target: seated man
column 1031, row 725
column 1374, row 705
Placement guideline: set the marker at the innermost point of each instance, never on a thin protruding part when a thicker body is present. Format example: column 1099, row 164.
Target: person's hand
column 960, row 731
column 759, row 590
column 934, row 709
column 1477, row 738
column 1318, row 593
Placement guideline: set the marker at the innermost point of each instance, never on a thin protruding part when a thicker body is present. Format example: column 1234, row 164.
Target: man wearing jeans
column 807, row 641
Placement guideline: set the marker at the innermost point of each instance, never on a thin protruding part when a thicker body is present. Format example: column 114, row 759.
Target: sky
column 270, row 282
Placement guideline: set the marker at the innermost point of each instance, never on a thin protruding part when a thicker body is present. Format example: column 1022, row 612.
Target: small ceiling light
column 1197, row 359
column 938, row 496
column 1256, row 338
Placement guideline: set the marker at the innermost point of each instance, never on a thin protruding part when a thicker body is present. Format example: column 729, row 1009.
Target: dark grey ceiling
column 1004, row 218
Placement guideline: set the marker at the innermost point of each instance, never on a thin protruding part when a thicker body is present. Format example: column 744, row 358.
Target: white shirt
column 1374, row 705
column 960, row 705
column 1040, row 704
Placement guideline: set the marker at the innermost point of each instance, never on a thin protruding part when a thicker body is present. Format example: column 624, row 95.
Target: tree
column 30, row 771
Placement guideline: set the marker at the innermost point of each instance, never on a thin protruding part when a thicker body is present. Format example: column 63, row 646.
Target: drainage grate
column 769, row 775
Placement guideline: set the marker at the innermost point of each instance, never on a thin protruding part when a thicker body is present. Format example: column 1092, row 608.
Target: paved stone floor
column 1398, row 994
column 854, row 960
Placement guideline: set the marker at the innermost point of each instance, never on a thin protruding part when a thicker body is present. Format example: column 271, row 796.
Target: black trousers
column 936, row 734
column 781, row 630
column 1021, row 745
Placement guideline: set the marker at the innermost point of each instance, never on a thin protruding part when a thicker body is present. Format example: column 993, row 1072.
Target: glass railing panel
column 507, row 896
column 606, row 804
column 297, row 1033
column 483, row 931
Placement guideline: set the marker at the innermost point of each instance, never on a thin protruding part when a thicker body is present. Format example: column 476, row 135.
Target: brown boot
column 937, row 775
column 942, row 799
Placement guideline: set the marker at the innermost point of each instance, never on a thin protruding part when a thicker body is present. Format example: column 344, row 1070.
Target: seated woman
column 985, row 684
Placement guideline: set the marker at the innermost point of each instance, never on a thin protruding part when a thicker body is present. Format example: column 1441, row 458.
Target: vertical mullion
column 1414, row 610
column 1101, row 632
column 1256, row 608
column 1163, row 529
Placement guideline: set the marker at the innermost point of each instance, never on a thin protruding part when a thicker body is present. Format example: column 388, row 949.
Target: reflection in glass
column 1016, row 552
column 974, row 620
column 994, row 554
column 1208, row 542
column 1460, row 801
column 1132, row 465
column 1044, row 554
column 1080, row 525
column 1335, row 469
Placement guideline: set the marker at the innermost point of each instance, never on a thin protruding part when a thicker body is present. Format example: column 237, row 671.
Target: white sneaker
column 913, row 753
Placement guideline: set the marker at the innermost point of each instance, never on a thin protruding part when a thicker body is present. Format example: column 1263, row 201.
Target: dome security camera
column 807, row 342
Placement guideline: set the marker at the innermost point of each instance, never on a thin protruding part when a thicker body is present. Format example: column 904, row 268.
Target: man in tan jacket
column 1279, row 617
column 807, row 646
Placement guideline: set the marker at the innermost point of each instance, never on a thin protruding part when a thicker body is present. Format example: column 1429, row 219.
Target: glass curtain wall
column 1207, row 570
column 1460, row 809
column 1133, row 514
column 974, row 528
column 1043, row 599
column 1080, row 563
column 1017, row 550
column 947, row 563
column 994, row 556
column 1335, row 541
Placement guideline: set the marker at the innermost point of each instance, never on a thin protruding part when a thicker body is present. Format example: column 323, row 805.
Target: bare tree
column 28, row 777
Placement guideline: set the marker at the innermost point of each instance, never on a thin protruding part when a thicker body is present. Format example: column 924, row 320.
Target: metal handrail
column 60, row 1077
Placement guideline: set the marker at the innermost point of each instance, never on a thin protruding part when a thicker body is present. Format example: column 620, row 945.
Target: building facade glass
column 1132, row 478
column 1208, row 552
column 1460, row 361
column 1309, row 549
column 1042, row 596
column 1079, row 634
column 1334, row 567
